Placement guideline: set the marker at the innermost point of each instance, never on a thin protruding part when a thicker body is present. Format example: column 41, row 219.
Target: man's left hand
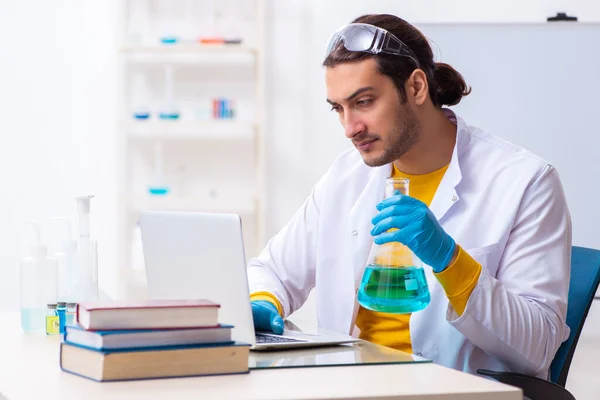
column 417, row 228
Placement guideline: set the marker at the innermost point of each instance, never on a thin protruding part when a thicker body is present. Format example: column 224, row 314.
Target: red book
column 149, row 314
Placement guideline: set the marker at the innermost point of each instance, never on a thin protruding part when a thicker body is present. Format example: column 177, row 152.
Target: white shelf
column 189, row 130
column 190, row 54
column 244, row 205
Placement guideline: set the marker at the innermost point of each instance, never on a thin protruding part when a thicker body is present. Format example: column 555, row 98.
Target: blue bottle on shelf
column 158, row 186
column 169, row 39
column 141, row 114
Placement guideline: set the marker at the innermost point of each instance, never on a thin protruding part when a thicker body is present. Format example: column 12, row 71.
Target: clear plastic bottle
column 394, row 280
column 39, row 285
column 169, row 110
column 66, row 255
column 158, row 185
column 140, row 97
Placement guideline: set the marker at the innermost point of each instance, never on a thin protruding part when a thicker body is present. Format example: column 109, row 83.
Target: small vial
column 231, row 111
column 71, row 308
column 61, row 310
column 141, row 113
column 52, row 320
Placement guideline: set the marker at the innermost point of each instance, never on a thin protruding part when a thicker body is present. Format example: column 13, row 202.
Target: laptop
column 192, row 255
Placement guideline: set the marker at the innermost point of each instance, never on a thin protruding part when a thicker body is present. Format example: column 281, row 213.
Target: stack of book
column 113, row 341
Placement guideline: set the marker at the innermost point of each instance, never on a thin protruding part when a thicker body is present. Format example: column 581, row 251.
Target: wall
column 58, row 94
column 305, row 136
column 300, row 125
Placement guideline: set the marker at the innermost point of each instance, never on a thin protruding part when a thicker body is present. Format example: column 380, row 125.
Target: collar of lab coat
column 364, row 208
column 446, row 195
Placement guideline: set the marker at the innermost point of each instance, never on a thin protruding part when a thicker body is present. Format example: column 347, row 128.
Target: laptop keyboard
column 261, row 339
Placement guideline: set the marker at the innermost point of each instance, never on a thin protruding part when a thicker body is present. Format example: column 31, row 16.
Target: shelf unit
column 238, row 142
column 188, row 48
column 243, row 206
column 190, row 54
column 180, row 130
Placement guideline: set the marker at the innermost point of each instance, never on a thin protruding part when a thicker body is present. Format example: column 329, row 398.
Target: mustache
column 364, row 137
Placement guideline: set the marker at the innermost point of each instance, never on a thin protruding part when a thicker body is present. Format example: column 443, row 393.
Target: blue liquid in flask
column 397, row 290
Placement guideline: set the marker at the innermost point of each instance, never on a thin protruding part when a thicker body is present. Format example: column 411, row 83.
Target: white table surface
column 29, row 369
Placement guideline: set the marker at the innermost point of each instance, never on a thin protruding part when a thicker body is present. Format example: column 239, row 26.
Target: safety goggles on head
column 369, row 39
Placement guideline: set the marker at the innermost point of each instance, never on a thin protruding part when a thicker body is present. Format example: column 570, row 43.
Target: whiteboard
column 538, row 86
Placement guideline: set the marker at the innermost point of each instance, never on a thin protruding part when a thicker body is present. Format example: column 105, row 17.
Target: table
column 29, row 369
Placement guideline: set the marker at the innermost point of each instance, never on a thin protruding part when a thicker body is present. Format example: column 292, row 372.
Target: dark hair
column 446, row 85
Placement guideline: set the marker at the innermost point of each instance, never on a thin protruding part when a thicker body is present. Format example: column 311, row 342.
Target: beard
column 399, row 141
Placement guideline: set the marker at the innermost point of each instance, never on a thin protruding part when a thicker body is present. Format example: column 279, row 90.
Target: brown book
column 148, row 363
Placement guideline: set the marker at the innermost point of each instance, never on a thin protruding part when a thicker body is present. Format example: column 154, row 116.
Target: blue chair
column 585, row 275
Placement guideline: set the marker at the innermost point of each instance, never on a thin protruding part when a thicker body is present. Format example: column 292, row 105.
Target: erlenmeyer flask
column 394, row 280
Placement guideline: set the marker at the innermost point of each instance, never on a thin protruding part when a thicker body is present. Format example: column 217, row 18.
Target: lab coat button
column 354, row 233
column 454, row 198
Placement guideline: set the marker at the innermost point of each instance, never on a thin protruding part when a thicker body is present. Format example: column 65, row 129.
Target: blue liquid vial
column 61, row 311
column 390, row 289
column 71, row 310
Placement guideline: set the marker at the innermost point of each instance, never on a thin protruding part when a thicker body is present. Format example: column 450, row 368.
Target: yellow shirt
column 458, row 280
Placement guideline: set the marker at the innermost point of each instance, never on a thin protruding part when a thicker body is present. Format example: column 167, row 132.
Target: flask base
column 396, row 290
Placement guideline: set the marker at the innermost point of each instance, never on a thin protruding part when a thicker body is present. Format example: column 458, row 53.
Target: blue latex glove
column 266, row 317
column 418, row 229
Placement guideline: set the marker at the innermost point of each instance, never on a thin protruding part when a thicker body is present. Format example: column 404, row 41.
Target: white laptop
column 201, row 255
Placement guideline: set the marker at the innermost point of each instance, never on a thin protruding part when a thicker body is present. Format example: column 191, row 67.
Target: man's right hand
column 266, row 317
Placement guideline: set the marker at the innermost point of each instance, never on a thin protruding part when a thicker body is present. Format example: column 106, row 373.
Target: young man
column 489, row 219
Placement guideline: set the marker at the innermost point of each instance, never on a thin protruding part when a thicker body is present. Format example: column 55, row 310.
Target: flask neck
column 394, row 186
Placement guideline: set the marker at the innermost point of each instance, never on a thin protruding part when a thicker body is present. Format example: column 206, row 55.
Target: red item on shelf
column 211, row 40
column 216, row 108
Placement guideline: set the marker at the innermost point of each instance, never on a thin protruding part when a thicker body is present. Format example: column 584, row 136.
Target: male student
column 488, row 218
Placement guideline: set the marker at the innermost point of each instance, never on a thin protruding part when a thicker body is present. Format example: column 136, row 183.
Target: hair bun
column 451, row 86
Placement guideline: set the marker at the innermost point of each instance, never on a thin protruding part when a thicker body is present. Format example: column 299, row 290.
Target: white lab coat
column 502, row 204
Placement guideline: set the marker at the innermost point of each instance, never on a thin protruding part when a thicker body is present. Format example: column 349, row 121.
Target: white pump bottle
column 39, row 285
